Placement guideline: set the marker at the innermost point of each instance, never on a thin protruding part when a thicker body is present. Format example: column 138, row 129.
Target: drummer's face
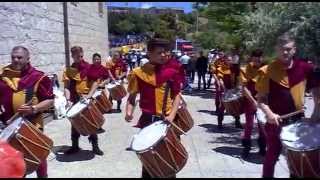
column 158, row 55
column 96, row 60
column 256, row 60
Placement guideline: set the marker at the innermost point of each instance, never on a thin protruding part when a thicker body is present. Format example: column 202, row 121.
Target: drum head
column 96, row 94
column 110, row 86
column 231, row 95
column 301, row 136
column 76, row 108
column 149, row 136
column 11, row 129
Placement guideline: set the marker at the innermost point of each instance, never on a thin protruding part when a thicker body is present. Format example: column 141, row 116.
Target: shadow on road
column 82, row 155
column 236, row 153
column 227, row 128
column 205, row 94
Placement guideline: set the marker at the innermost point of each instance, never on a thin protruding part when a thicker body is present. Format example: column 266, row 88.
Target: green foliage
column 167, row 25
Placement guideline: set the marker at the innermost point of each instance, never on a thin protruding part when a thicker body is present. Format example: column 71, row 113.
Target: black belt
column 153, row 118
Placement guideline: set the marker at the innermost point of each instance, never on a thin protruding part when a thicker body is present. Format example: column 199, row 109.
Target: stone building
column 40, row 26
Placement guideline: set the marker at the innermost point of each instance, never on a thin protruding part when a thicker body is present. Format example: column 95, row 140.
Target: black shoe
column 220, row 127
column 118, row 111
column 97, row 151
column 72, row 150
column 101, row 130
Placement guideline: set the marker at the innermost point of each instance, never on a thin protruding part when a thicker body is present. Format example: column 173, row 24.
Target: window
column 100, row 9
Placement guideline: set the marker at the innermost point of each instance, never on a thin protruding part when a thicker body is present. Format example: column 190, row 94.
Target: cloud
column 146, row 5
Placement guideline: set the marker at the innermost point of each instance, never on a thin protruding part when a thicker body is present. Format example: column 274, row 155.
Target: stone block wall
column 39, row 26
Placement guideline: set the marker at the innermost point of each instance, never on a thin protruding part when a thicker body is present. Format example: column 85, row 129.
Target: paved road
column 212, row 153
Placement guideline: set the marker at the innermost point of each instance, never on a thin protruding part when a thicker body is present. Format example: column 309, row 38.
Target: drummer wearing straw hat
column 149, row 81
column 280, row 90
column 77, row 85
column 21, row 84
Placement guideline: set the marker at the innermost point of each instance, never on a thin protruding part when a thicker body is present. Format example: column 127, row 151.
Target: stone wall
column 39, row 26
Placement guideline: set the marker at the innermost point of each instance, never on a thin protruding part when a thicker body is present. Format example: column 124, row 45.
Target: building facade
column 40, row 27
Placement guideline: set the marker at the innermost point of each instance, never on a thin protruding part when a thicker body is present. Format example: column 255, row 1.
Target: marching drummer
column 21, row 83
column 118, row 71
column 247, row 75
column 76, row 86
column 225, row 76
column 280, row 90
column 150, row 80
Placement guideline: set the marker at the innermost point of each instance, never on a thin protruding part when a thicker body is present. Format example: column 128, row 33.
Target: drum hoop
column 154, row 144
column 300, row 150
column 76, row 113
column 15, row 131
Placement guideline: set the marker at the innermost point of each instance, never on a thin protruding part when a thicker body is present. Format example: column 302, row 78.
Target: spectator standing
column 201, row 66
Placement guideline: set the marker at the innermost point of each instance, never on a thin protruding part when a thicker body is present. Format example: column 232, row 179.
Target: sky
column 186, row 6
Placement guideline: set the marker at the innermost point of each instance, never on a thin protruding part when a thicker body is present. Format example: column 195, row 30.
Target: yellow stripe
column 146, row 74
column 159, row 95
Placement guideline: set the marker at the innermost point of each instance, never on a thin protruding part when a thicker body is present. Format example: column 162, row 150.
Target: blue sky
column 186, row 6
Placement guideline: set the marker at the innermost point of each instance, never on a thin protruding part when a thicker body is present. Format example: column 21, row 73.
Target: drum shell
column 234, row 107
column 170, row 150
column 103, row 103
column 118, row 92
column 33, row 143
column 303, row 163
column 88, row 121
column 183, row 120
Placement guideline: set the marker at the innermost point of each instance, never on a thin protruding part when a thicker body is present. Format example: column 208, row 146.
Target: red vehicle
column 184, row 46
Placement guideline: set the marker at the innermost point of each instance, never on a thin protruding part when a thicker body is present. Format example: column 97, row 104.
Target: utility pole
column 66, row 33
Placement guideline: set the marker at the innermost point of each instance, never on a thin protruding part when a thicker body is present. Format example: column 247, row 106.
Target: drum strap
column 165, row 98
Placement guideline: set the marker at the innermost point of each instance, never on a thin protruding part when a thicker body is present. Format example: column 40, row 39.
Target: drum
column 159, row 150
column 302, row 143
column 183, row 120
column 26, row 138
column 117, row 91
column 102, row 102
column 85, row 117
column 233, row 102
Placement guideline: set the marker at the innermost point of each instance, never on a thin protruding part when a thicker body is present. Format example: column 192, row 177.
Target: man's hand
column 128, row 117
column 69, row 104
column 26, row 109
column 169, row 118
column 273, row 119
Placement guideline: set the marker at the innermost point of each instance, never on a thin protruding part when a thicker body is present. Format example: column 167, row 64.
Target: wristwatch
column 33, row 109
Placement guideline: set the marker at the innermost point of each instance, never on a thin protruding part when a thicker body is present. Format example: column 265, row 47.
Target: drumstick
column 291, row 114
column 173, row 124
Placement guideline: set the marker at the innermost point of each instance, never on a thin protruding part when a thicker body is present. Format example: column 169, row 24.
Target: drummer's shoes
column 118, row 111
column 96, row 149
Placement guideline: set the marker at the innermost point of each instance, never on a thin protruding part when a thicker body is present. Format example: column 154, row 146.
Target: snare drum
column 159, row 150
column 117, row 91
column 102, row 102
column 85, row 117
column 233, row 101
column 26, row 138
column 183, row 120
column 302, row 143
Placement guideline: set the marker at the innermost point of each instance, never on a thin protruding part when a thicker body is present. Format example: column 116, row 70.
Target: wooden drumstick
column 292, row 114
column 174, row 125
